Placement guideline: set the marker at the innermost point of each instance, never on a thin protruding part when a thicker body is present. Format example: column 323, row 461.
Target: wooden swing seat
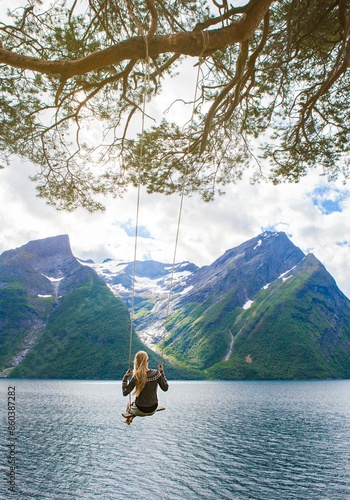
column 127, row 414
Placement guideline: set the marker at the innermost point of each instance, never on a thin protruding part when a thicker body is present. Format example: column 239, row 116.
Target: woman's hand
column 128, row 373
column 160, row 367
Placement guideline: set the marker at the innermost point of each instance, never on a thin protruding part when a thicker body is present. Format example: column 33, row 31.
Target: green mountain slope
column 295, row 329
column 58, row 318
column 199, row 333
column 86, row 336
column 200, row 326
column 25, row 304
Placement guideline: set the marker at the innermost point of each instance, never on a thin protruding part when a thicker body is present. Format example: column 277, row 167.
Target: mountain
column 262, row 310
column 297, row 327
column 58, row 318
column 154, row 283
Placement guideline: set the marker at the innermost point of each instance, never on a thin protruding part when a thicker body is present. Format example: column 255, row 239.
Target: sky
column 314, row 214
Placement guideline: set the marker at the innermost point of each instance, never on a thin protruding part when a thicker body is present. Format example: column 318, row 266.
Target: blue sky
column 329, row 199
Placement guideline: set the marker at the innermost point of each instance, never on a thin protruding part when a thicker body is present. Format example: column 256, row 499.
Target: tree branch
column 242, row 58
column 188, row 43
column 226, row 15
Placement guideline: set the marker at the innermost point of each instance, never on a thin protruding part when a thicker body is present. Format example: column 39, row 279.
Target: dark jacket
column 148, row 397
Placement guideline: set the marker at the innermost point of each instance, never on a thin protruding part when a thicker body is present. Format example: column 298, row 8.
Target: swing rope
column 146, row 81
column 205, row 37
column 144, row 98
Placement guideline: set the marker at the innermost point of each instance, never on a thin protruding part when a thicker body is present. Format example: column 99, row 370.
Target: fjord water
column 216, row 440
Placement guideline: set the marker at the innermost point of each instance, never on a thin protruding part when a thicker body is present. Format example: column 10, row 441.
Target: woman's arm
column 162, row 381
column 127, row 385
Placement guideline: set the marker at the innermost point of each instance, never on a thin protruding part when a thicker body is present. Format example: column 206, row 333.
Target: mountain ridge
column 261, row 310
column 207, row 304
column 58, row 318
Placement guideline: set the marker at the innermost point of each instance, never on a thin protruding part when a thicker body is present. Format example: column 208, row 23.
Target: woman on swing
column 145, row 382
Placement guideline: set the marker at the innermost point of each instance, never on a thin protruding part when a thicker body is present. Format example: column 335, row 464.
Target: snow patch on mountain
column 53, row 280
column 248, row 304
column 258, row 245
column 282, row 276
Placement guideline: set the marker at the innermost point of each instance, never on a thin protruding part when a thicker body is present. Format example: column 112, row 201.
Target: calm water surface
column 216, row 440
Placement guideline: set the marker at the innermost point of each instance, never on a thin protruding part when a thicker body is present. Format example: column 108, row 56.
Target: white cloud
column 206, row 230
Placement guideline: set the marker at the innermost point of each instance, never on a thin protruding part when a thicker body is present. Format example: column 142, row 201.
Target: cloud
column 206, row 230
column 314, row 214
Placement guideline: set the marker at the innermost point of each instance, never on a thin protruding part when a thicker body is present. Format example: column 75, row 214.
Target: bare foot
column 128, row 420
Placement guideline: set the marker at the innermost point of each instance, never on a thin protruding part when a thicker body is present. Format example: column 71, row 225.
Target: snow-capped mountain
column 261, row 310
column 214, row 312
column 160, row 288
column 155, row 286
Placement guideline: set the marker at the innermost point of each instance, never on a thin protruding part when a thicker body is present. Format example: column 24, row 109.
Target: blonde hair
column 140, row 371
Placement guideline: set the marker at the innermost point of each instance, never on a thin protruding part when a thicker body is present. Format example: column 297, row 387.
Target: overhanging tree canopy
column 273, row 73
